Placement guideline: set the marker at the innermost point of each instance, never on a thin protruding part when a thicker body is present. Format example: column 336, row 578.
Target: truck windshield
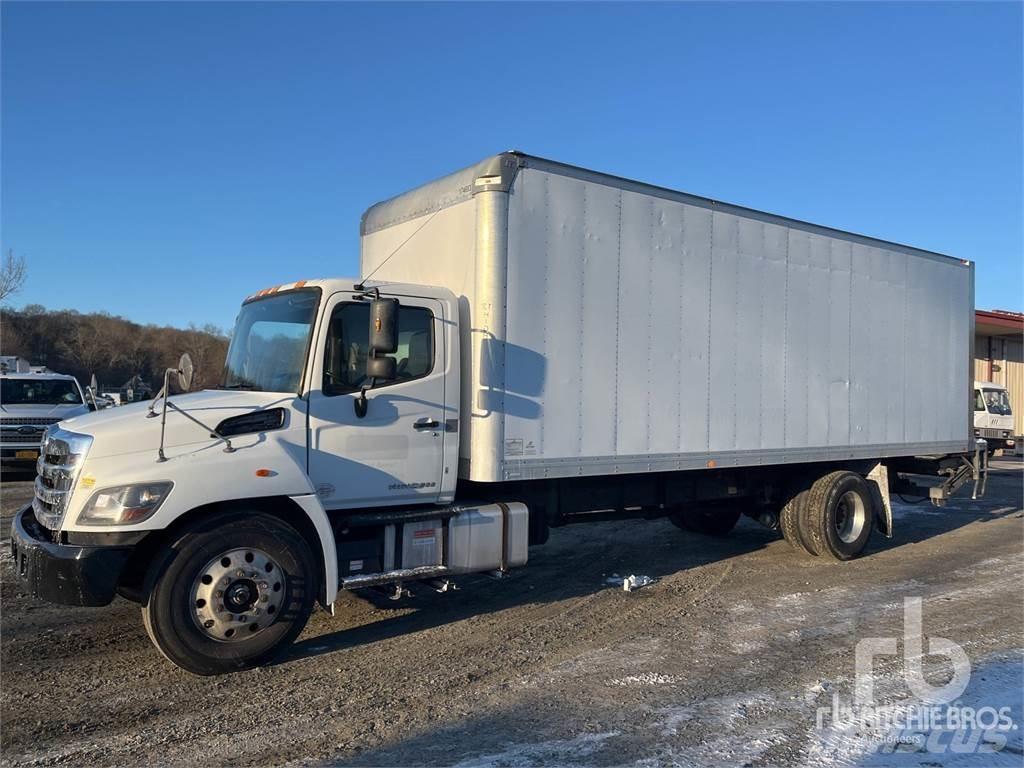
column 997, row 402
column 39, row 392
column 270, row 341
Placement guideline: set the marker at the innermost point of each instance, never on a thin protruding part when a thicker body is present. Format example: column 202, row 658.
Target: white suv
column 29, row 403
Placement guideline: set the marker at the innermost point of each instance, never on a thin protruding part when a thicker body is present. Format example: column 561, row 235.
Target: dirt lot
column 723, row 660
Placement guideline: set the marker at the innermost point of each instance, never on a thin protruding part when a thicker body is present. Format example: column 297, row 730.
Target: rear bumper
column 63, row 573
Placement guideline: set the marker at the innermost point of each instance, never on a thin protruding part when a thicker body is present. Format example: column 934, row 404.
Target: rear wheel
column 710, row 519
column 838, row 516
column 230, row 593
column 790, row 520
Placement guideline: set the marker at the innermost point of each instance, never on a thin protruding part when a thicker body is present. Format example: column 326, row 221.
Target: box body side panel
column 647, row 333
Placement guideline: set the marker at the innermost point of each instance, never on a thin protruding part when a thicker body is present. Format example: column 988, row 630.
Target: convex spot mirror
column 184, row 372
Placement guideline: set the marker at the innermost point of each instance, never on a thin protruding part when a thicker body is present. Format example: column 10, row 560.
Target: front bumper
column 64, row 573
column 27, row 452
column 996, row 436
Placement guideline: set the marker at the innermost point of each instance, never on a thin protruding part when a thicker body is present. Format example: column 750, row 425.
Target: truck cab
column 337, row 399
column 993, row 417
column 372, row 441
column 29, row 403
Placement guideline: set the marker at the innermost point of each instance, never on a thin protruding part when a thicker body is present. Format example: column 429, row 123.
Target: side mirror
column 377, row 369
column 383, row 327
column 91, row 405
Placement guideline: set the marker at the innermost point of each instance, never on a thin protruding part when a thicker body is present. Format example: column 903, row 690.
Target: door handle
column 428, row 424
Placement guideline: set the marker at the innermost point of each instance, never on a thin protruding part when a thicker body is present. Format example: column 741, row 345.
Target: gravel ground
column 723, row 661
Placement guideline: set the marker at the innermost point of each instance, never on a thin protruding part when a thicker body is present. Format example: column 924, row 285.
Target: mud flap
column 878, row 482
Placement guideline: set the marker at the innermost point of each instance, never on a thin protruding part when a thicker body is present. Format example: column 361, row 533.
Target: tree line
column 111, row 348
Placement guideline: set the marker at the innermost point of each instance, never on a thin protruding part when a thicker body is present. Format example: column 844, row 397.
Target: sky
column 162, row 161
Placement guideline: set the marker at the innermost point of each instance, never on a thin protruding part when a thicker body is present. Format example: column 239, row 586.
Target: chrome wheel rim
column 237, row 595
column 851, row 517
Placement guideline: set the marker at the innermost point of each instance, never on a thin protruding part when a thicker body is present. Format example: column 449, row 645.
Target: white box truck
column 529, row 344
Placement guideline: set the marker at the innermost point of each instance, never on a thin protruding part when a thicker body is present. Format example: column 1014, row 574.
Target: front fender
column 318, row 516
column 260, row 466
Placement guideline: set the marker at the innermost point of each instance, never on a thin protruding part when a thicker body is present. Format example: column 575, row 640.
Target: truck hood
column 130, row 429
column 44, row 411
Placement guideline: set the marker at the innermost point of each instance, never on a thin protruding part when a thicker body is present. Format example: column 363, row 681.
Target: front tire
column 230, row 593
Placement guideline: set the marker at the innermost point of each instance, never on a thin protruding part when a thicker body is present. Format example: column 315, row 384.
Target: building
column 13, row 364
column 999, row 354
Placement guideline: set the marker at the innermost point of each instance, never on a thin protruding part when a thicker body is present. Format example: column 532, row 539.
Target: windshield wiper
column 240, row 385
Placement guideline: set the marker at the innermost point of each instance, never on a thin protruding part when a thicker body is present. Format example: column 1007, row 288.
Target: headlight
column 124, row 504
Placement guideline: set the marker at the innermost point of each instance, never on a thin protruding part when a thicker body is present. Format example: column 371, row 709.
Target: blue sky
column 162, row 161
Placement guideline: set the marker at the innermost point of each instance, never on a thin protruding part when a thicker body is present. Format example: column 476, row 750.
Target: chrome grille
column 60, row 460
column 23, row 429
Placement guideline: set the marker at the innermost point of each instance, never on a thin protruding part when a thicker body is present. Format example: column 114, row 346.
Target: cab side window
column 979, row 401
column 348, row 347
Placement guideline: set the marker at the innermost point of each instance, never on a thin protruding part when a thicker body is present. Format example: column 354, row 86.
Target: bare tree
column 86, row 345
column 206, row 347
column 12, row 274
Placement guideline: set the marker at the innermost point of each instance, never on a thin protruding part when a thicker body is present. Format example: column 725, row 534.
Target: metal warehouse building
column 999, row 354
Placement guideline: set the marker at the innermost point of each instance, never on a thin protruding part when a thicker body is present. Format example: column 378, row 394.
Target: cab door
column 394, row 454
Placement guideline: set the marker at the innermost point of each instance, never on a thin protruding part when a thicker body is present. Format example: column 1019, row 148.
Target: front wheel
column 230, row 593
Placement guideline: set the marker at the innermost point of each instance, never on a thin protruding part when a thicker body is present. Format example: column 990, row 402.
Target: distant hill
column 112, row 348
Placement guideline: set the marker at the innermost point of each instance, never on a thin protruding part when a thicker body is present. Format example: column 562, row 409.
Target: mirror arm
column 361, row 403
column 365, row 293
column 165, row 393
column 163, row 415
column 228, row 447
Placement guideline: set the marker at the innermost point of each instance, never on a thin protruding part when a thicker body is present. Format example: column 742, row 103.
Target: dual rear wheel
column 832, row 517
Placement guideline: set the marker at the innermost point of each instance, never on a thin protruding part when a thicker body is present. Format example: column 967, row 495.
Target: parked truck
column 530, row 344
column 993, row 417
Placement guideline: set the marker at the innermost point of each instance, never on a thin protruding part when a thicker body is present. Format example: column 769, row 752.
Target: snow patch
column 563, row 752
column 645, row 678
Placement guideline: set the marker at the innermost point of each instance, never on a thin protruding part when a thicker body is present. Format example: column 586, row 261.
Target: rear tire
column 709, row 520
column 838, row 516
column 230, row 593
column 790, row 521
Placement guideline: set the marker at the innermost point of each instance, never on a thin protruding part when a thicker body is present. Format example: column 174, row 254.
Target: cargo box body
column 610, row 327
